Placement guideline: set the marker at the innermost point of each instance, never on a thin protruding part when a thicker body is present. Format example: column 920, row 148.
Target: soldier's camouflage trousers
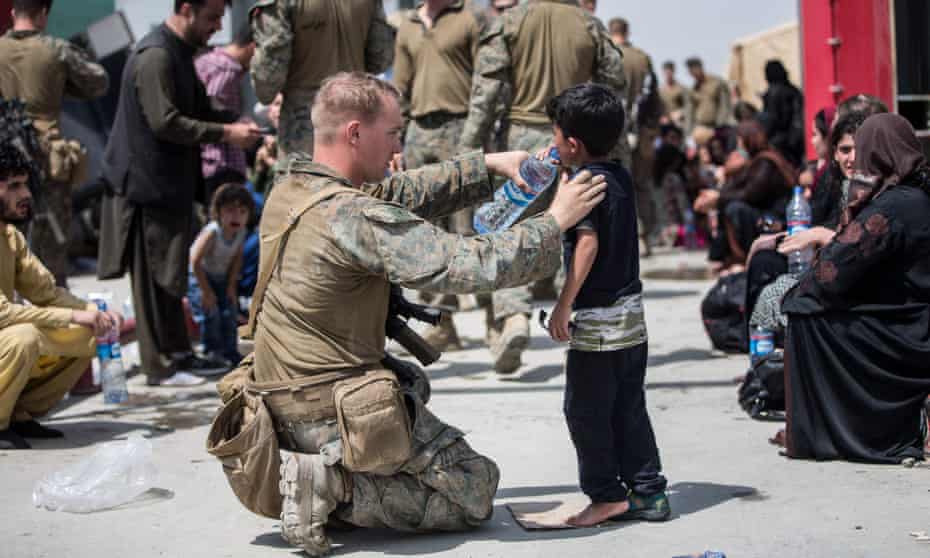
column 433, row 139
column 445, row 486
column 643, row 184
column 44, row 242
column 295, row 130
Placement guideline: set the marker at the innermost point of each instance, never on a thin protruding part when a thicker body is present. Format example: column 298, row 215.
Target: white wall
column 678, row 29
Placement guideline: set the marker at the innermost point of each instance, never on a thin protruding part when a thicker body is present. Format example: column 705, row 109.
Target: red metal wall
column 861, row 61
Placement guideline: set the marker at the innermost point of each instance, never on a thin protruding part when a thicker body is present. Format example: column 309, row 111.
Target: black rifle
column 398, row 330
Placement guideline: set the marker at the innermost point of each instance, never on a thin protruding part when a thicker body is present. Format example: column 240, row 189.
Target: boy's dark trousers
column 605, row 406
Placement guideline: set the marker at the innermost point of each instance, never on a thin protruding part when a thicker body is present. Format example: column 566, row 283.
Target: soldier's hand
column 242, row 134
column 508, row 164
column 397, row 164
column 576, row 197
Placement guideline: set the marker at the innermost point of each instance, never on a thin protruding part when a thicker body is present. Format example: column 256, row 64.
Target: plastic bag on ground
column 115, row 474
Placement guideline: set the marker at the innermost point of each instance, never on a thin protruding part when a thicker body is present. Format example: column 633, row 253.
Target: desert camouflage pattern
column 620, row 326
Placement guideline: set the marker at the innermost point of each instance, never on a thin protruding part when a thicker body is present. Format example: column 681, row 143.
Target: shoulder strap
column 271, row 247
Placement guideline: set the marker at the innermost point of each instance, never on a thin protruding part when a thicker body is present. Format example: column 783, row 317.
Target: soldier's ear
column 352, row 132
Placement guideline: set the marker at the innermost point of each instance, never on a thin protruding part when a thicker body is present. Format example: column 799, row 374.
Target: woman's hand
column 764, row 242
column 816, row 237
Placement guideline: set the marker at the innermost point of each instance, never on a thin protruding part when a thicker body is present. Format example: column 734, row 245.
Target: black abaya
column 858, row 348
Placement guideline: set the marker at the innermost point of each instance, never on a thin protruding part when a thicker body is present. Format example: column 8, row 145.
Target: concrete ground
column 730, row 489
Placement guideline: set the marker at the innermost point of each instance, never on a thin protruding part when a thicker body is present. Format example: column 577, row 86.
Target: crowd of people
column 280, row 226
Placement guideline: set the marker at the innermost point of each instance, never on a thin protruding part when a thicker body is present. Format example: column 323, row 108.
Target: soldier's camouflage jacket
column 326, row 303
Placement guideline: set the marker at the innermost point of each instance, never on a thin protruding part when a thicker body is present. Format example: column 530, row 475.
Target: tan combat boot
column 310, row 492
column 514, row 339
column 443, row 337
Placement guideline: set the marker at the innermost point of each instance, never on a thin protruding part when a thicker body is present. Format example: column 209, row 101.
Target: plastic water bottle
column 510, row 201
column 691, row 242
column 761, row 343
column 109, row 355
column 799, row 220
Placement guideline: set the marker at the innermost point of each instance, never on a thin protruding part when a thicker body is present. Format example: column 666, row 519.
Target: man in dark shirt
column 153, row 169
column 605, row 404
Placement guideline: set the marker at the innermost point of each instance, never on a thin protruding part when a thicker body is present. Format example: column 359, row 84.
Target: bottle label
column 104, row 351
column 761, row 344
column 794, row 227
column 515, row 195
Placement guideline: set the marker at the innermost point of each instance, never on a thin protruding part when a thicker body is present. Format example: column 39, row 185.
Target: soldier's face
column 203, row 21
column 380, row 139
column 15, row 199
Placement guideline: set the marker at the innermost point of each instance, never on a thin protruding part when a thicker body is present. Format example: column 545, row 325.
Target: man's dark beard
column 12, row 218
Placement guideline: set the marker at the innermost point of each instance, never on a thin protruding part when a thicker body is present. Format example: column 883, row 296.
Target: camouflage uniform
column 40, row 70
column 504, row 67
column 299, row 43
column 339, row 260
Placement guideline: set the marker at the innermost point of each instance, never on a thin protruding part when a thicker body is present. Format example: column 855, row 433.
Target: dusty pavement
column 730, row 490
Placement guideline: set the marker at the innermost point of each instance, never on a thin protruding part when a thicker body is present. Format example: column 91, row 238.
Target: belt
column 437, row 118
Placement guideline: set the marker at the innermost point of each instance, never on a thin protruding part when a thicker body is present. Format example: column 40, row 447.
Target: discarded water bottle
column 510, row 201
column 109, row 355
column 799, row 220
column 691, row 242
column 761, row 343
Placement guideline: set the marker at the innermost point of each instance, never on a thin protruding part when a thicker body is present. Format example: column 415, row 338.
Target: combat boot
column 443, row 337
column 310, row 491
column 514, row 339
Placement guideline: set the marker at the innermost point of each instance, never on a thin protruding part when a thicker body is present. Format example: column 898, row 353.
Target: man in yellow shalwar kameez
column 44, row 346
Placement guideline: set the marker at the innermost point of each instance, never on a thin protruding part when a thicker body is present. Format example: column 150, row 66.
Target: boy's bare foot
column 595, row 514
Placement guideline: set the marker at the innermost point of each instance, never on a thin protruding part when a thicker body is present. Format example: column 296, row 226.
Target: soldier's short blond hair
column 348, row 96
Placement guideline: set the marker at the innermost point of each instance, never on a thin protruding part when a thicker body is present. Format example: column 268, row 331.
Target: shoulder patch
column 390, row 214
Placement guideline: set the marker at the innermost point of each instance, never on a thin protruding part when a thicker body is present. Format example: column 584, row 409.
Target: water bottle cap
column 554, row 154
column 798, row 189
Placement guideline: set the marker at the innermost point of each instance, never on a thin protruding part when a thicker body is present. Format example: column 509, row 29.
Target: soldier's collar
column 301, row 164
column 22, row 34
column 453, row 7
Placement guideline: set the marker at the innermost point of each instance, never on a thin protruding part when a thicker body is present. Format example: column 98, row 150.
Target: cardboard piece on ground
column 536, row 516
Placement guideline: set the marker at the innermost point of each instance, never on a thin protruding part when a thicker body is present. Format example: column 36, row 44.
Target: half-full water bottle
column 510, row 201
column 761, row 343
column 799, row 220
column 112, row 373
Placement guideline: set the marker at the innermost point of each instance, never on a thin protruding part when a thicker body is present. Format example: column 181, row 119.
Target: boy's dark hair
column 13, row 162
column 243, row 36
column 197, row 4
column 231, row 193
column 31, row 8
column 694, row 62
column 591, row 113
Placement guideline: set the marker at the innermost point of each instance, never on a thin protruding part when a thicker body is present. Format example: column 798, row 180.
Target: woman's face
column 819, row 143
column 845, row 155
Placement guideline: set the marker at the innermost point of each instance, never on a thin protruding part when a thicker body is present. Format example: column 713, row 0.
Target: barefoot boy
column 605, row 403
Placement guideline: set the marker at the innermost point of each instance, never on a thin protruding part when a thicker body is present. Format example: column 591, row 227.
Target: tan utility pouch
column 243, row 438
column 67, row 161
column 374, row 424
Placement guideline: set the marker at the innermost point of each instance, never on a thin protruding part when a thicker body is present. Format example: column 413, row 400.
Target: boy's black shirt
column 615, row 272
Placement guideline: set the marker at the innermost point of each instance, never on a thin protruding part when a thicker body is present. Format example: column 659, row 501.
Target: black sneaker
column 646, row 508
column 10, row 440
column 206, row 367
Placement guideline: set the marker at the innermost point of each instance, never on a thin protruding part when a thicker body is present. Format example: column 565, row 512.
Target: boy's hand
column 559, row 323
column 208, row 300
column 543, row 155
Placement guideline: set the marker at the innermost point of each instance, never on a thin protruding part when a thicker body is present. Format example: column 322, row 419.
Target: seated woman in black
column 762, row 188
column 858, row 343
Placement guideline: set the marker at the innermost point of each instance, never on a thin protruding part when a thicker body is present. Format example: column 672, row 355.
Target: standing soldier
column 643, row 108
column 433, row 63
column 299, row 43
column 537, row 50
column 40, row 70
column 675, row 98
column 710, row 103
